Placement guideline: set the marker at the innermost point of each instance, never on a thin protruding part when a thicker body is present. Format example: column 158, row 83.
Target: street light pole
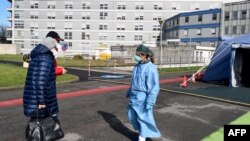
column 161, row 53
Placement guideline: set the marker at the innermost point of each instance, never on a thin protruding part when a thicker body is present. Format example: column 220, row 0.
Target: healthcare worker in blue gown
column 142, row 94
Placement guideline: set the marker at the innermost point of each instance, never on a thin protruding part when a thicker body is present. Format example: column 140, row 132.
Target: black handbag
column 46, row 129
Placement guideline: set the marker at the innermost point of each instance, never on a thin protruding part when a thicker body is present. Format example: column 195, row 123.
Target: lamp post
column 161, row 24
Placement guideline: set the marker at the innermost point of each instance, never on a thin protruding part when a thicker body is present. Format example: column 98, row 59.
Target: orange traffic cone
column 184, row 83
column 193, row 78
column 199, row 76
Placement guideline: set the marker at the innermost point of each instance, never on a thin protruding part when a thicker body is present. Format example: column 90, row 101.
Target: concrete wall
column 170, row 55
column 9, row 49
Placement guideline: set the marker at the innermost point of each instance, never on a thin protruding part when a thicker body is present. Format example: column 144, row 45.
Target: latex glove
column 41, row 106
column 64, row 71
column 149, row 106
column 127, row 95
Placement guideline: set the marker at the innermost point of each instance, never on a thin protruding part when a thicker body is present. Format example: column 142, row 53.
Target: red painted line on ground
column 172, row 80
column 92, row 91
column 16, row 102
column 13, row 102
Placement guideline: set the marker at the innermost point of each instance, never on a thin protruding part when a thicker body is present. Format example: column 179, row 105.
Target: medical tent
column 230, row 63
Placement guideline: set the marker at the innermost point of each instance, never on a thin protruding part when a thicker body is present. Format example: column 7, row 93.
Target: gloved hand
column 128, row 95
column 149, row 106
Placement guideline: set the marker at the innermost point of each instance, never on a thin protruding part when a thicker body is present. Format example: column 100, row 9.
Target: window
column 200, row 18
column 234, row 29
column 34, row 15
column 17, row 15
column 197, row 8
column 243, row 14
column 103, row 36
column 243, row 29
column 33, row 25
column 212, row 44
column 103, row 15
column 176, row 33
column 226, row 30
column 103, row 5
column 186, row 19
column 68, row 5
column 120, row 27
column 235, row 15
column 156, row 37
column 157, row 6
column 139, row 6
column 156, row 27
column 198, row 43
column 67, row 35
column 103, row 27
column 86, row 16
column 138, row 37
column 68, row 25
column 85, row 36
column 70, row 44
column 51, row 4
column 198, row 31
column 68, row 15
column 19, row 24
column 157, row 16
column 139, row 16
column 227, row 16
column 173, row 8
column 214, row 18
column 51, row 25
column 86, row 5
column 121, row 5
column 34, row 4
column 121, row 16
column 139, row 27
column 120, row 37
column 213, row 31
column 85, row 26
column 185, row 33
column 51, row 15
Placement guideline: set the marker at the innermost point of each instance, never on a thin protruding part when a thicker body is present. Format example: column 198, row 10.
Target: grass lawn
column 17, row 58
column 13, row 76
column 68, row 62
column 179, row 69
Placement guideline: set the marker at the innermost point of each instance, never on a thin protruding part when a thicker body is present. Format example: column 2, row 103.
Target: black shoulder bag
column 46, row 129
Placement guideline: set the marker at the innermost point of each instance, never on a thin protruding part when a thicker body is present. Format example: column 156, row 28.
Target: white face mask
column 59, row 46
column 55, row 53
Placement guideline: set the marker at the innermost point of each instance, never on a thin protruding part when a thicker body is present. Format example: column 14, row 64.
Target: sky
column 4, row 13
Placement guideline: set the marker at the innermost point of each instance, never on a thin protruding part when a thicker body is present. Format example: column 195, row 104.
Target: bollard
column 89, row 70
column 115, row 68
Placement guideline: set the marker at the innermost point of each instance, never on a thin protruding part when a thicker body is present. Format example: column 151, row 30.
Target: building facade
column 236, row 18
column 85, row 24
column 198, row 28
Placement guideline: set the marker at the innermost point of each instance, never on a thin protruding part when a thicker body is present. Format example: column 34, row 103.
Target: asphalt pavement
column 102, row 116
column 96, row 111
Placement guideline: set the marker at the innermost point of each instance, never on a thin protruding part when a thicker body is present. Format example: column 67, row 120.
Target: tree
column 3, row 34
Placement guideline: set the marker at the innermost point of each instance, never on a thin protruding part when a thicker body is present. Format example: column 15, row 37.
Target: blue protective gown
column 143, row 90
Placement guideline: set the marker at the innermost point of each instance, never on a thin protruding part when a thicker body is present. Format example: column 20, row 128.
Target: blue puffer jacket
column 40, row 85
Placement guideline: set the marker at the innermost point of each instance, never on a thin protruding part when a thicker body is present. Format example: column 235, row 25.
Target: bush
column 77, row 57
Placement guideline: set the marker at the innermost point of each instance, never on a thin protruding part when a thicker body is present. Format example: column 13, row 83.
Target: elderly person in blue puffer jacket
column 40, row 86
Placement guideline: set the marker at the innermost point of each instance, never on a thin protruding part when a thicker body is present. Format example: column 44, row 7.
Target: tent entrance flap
column 242, row 66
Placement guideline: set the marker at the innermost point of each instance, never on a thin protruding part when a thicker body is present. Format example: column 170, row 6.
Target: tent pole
column 190, row 78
